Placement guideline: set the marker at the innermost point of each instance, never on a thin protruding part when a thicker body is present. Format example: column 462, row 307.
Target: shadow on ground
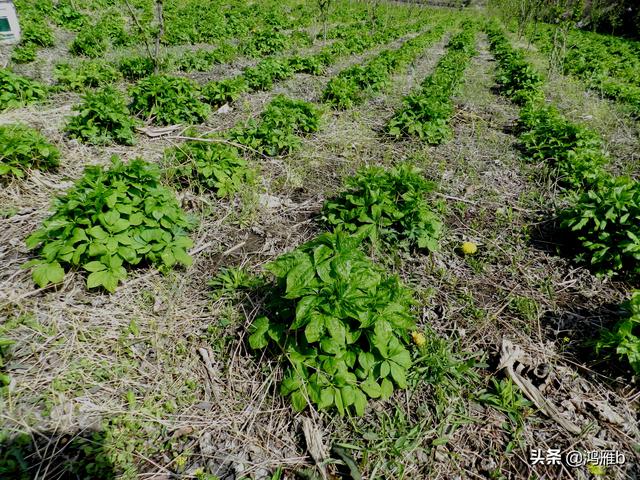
column 46, row 455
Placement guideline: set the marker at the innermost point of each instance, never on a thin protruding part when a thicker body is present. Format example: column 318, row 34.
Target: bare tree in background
column 324, row 6
column 146, row 33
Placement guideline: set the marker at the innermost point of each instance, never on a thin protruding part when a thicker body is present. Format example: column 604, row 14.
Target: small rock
column 224, row 109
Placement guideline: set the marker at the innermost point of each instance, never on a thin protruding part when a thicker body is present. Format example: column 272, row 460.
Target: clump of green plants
column 573, row 152
column 36, row 32
column 220, row 92
column 340, row 323
column 265, row 43
column 202, row 60
column 93, row 73
column 90, row 42
column 211, row 166
column 136, row 67
column 166, row 100
column 266, row 72
column 16, row 91
column 112, row 219
column 279, row 128
column 23, row 148
column 388, row 208
column 24, row 53
column 103, row 117
column 623, row 338
column 603, row 225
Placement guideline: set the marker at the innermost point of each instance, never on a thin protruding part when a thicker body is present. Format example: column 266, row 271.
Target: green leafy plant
column 573, row 152
column 16, row 91
column 266, row 72
column 603, row 225
column 426, row 113
column 212, row 166
column 112, row 219
column 624, row 337
column 103, row 117
column 264, row 43
column 224, row 91
column 168, row 100
column 279, row 128
column 24, row 53
column 387, row 207
column 202, row 60
column 339, row 322
column 23, row 148
column 90, row 42
column 351, row 86
column 517, row 79
column 36, row 32
column 93, row 73
column 135, row 67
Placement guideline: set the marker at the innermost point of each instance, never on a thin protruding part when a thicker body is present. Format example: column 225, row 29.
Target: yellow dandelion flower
column 469, row 248
column 419, row 339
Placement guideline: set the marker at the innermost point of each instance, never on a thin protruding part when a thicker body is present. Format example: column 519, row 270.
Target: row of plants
column 601, row 214
column 606, row 63
column 426, row 113
column 352, row 86
column 270, row 70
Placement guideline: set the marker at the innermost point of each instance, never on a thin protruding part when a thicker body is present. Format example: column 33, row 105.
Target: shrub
column 23, row 148
column 224, row 91
column 168, row 100
column 339, row 322
column 604, row 225
column 624, row 337
column 90, row 42
column 387, row 207
column 93, row 73
column 103, row 117
column 112, row 219
column 212, row 166
column 16, row 91
column 280, row 124
column 135, row 68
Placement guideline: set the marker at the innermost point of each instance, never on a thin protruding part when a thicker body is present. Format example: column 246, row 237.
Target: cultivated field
column 316, row 239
